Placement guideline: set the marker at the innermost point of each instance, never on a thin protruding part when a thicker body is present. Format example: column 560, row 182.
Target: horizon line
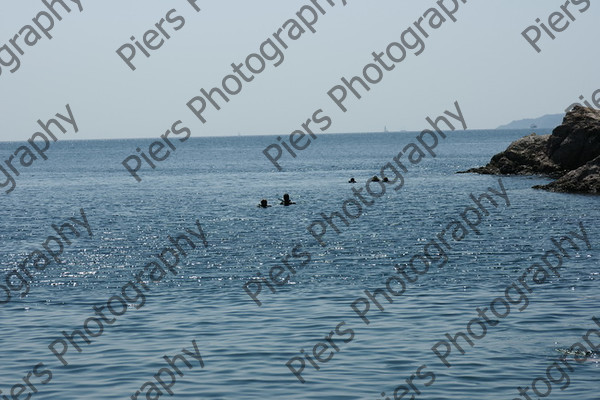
column 278, row 134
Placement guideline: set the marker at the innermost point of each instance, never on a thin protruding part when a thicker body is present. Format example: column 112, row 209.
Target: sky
column 481, row 60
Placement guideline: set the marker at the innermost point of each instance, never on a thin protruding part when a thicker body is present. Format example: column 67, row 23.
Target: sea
column 218, row 182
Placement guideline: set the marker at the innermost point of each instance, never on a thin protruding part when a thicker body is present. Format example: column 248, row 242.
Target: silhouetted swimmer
column 286, row 200
column 351, row 180
column 375, row 179
column 386, row 179
column 263, row 204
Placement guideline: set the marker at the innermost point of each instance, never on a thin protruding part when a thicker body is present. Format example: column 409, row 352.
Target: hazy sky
column 481, row 60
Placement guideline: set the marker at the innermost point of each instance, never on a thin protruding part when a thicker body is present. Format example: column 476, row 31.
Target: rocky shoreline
column 571, row 155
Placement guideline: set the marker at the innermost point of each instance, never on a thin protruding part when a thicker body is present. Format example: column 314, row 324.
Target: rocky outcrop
column 577, row 140
column 571, row 154
column 585, row 179
column 525, row 156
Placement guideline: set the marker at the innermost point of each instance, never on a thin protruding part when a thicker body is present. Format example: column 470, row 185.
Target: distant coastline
column 547, row 121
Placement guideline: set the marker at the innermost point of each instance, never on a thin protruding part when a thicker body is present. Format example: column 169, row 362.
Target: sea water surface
column 219, row 181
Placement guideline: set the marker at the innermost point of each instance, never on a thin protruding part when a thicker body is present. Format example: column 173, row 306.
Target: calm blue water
column 219, row 181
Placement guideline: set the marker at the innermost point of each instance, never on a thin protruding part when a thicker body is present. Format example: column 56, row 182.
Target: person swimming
column 386, row 179
column 286, row 200
column 375, row 179
column 351, row 180
column 264, row 204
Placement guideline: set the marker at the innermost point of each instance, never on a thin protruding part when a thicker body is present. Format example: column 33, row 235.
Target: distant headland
column 547, row 121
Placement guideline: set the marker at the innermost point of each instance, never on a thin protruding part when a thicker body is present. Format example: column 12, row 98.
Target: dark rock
column 525, row 156
column 571, row 153
column 577, row 140
column 585, row 179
